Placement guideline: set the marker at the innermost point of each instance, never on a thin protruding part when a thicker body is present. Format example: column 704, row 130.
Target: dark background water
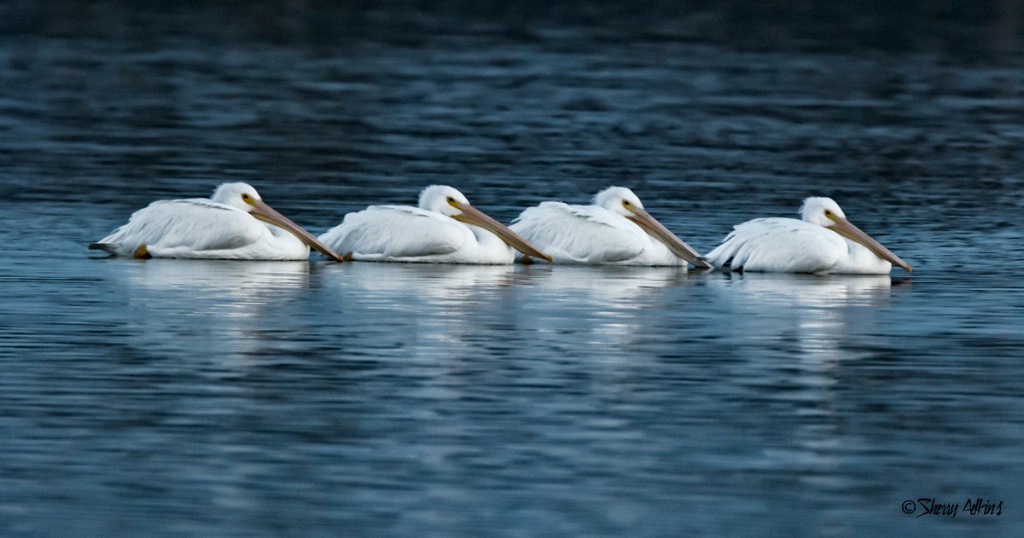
column 176, row 398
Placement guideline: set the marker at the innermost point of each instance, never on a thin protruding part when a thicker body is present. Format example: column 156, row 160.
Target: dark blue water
column 188, row 398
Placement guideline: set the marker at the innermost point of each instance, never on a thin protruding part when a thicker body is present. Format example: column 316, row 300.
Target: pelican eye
column 452, row 202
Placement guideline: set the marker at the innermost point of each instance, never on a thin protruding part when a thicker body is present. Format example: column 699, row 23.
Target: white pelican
column 823, row 242
column 445, row 228
column 224, row 226
column 615, row 230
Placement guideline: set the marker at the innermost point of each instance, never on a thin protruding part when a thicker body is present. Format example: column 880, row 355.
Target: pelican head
column 443, row 199
column 449, row 202
column 622, row 201
column 826, row 212
column 244, row 197
column 619, row 200
column 235, row 194
column 821, row 211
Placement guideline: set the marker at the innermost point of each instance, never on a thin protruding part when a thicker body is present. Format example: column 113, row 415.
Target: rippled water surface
column 207, row 398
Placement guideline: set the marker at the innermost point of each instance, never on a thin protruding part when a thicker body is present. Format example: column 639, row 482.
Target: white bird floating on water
column 225, row 226
column 823, row 242
column 615, row 230
column 445, row 228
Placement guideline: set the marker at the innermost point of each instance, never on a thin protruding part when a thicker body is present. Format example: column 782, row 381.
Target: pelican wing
column 580, row 234
column 389, row 232
column 195, row 224
column 779, row 245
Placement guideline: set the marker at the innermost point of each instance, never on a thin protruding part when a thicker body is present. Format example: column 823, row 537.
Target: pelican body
column 823, row 242
column 444, row 228
column 233, row 224
column 615, row 230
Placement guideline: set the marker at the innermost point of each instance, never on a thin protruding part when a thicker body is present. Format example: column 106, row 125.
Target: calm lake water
column 194, row 398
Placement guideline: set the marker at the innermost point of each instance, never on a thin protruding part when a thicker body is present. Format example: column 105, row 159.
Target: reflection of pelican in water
column 603, row 287
column 814, row 291
column 424, row 310
column 823, row 242
column 455, row 310
column 211, row 307
column 221, row 278
column 789, row 342
column 816, row 313
column 417, row 283
column 616, row 306
column 233, row 224
column 231, row 287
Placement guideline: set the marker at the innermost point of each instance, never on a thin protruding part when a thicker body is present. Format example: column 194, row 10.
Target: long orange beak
column 264, row 212
column 846, row 229
column 474, row 216
column 654, row 228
